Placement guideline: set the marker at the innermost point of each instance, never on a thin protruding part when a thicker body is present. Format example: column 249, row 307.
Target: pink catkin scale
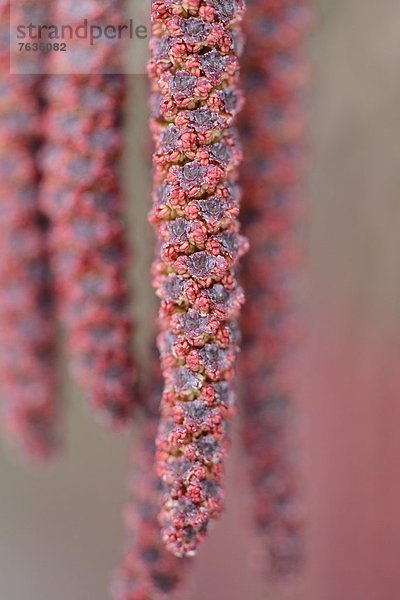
column 195, row 99
column 82, row 197
column 275, row 76
column 27, row 365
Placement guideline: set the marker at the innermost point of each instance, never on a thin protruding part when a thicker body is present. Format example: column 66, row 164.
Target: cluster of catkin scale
column 194, row 76
column 148, row 571
column 27, row 369
column 275, row 75
column 83, row 200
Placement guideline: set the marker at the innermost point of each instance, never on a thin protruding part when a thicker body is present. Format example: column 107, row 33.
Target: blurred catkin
column 273, row 126
column 83, row 199
column 147, row 571
column 27, row 367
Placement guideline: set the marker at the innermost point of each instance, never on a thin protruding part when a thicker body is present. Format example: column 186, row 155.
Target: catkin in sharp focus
column 194, row 74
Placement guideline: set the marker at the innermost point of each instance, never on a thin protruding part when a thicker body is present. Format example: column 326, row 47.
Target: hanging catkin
column 148, row 571
column 195, row 98
column 83, row 200
column 275, row 73
column 27, row 369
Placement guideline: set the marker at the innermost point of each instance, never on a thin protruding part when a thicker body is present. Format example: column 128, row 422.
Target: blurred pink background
column 60, row 530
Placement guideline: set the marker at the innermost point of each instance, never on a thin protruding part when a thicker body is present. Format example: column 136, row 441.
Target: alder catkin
column 147, row 571
column 27, row 362
column 194, row 75
column 82, row 197
column 275, row 73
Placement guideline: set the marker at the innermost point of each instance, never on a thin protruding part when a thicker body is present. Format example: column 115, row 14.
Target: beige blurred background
column 60, row 530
